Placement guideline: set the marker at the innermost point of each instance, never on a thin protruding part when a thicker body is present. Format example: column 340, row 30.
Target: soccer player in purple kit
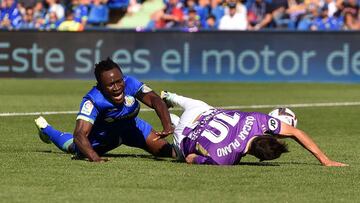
column 207, row 135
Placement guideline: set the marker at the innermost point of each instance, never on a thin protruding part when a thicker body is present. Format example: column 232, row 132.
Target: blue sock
column 60, row 139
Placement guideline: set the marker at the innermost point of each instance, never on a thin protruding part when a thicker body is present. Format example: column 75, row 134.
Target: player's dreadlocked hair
column 104, row 65
column 267, row 148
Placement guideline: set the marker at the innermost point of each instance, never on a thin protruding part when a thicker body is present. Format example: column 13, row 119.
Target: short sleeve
column 132, row 85
column 88, row 111
column 272, row 125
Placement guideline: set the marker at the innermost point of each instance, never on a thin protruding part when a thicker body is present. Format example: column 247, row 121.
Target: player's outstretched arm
column 304, row 139
column 152, row 100
column 81, row 140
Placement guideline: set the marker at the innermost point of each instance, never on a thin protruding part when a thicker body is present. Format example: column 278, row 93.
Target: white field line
column 331, row 104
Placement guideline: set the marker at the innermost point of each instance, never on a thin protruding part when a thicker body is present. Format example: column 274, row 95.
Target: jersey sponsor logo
column 87, row 108
column 109, row 120
column 146, row 89
column 129, row 101
column 273, row 124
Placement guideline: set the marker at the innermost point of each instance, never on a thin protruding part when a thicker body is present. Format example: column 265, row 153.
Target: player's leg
column 177, row 137
column 141, row 135
column 48, row 134
column 193, row 108
column 185, row 103
column 160, row 147
column 101, row 143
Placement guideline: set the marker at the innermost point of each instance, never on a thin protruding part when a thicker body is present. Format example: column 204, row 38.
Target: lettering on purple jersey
column 199, row 129
column 249, row 122
column 220, row 127
column 223, row 151
column 224, row 134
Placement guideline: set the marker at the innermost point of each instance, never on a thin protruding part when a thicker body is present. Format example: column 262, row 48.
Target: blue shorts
column 132, row 133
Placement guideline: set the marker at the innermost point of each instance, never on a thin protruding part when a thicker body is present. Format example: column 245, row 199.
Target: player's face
column 113, row 85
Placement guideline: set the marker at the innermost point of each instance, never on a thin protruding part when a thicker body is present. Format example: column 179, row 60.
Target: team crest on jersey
column 87, row 108
column 129, row 101
column 146, row 89
column 273, row 124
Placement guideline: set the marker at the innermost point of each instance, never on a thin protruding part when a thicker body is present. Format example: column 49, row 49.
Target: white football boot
column 168, row 98
column 41, row 123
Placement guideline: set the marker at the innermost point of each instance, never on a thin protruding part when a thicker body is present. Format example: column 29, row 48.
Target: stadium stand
column 98, row 14
column 185, row 15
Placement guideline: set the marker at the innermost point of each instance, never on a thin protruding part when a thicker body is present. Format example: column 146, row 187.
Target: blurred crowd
column 67, row 15
column 187, row 15
column 193, row 15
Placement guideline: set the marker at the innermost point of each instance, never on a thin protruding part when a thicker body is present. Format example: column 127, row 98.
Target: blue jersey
column 81, row 13
column 115, row 124
column 98, row 110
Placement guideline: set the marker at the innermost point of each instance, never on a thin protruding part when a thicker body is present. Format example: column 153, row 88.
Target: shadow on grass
column 50, row 152
column 110, row 155
column 297, row 163
column 259, row 164
column 275, row 163
column 142, row 156
column 151, row 157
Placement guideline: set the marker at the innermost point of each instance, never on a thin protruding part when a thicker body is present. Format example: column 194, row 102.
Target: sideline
column 264, row 106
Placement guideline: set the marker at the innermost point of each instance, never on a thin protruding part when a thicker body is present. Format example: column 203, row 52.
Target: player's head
column 110, row 80
column 267, row 148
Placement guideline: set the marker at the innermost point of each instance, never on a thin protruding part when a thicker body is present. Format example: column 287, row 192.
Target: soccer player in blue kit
column 108, row 118
column 207, row 135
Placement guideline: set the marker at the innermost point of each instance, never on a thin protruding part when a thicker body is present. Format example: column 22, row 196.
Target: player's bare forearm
column 164, row 115
column 304, row 140
column 81, row 140
column 84, row 146
column 154, row 101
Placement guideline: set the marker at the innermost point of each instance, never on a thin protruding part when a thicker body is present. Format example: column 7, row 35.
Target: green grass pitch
column 32, row 171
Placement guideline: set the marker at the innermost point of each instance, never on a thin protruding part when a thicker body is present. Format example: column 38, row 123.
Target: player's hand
column 334, row 163
column 100, row 160
column 97, row 160
column 164, row 133
column 190, row 159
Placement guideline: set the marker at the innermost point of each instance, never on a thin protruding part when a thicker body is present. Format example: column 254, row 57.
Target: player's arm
column 82, row 130
column 152, row 100
column 304, row 140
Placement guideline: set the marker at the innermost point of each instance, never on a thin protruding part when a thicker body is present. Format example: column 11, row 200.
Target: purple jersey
column 221, row 136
